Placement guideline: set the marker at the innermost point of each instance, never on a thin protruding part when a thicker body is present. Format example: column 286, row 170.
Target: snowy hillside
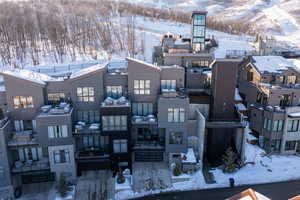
column 277, row 17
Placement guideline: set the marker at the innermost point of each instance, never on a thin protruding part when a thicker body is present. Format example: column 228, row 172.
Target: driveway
column 95, row 185
column 150, row 176
column 38, row 191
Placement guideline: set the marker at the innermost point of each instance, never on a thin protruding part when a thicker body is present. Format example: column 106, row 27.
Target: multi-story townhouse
column 269, row 86
column 111, row 115
column 209, row 82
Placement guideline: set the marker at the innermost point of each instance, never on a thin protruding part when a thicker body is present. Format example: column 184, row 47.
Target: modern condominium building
column 111, row 115
column 270, row 88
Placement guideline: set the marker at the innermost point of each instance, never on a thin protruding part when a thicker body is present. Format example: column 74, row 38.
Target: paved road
column 275, row 191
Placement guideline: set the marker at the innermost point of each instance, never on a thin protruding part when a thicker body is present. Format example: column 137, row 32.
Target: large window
column 86, row 94
column 199, row 31
column 120, row 146
column 176, row 115
column 114, row 91
column 199, row 20
column 61, row 156
column 285, row 100
column 142, row 109
column 24, row 125
column 200, row 63
column 88, row 116
column 290, row 145
column 293, row 125
column 277, row 125
column 58, row 131
column 94, row 142
column 56, row 97
column 168, row 84
column 291, row 79
column 176, row 138
column 275, row 145
column 141, row 86
column 30, row 153
column 249, row 76
column 23, row 102
column 114, row 123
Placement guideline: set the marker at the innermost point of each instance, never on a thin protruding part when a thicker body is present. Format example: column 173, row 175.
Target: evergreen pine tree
column 230, row 161
column 177, row 170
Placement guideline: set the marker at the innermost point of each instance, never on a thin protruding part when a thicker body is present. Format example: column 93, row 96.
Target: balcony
column 81, row 128
column 150, row 119
column 149, row 145
column 22, row 138
column 117, row 67
column 276, row 109
column 120, row 102
column 174, row 93
column 91, row 153
column 30, row 165
column 61, row 109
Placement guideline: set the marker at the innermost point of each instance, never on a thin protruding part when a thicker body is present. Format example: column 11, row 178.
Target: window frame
column 120, row 146
column 142, row 87
column 114, row 123
column 23, row 102
column 85, row 94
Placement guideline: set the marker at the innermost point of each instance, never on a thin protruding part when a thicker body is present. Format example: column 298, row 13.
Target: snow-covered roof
column 143, row 63
column 117, row 64
column 29, row 75
column 232, row 47
column 87, row 70
column 190, row 156
column 296, row 114
column 272, row 64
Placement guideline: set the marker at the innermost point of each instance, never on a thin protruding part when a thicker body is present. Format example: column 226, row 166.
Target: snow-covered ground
column 280, row 18
column 261, row 169
column 149, row 31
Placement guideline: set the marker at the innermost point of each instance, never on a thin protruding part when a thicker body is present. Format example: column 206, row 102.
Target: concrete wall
column 42, row 123
column 116, row 80
column 163, row 105
column 90, row 80
column 290, row 136
column 6, row 185
column 140, row 71
column 224, row 80
column 68, row 167
column 19, row 87
column 173, row 73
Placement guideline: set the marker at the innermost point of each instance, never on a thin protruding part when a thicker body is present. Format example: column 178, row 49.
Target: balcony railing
column 30, row 165
column 82, row 128
column 92, row 153
column 23, row 138
column 172, row 93
column 61, row 109
column 120, row 102
column 149, row 145
column 150, row 119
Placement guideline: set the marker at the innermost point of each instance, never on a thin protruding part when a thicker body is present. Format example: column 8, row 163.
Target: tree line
column 66, row 28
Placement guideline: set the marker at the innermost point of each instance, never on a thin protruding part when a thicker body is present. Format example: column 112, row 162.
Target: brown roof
column 295, row 198
column 247, row 193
